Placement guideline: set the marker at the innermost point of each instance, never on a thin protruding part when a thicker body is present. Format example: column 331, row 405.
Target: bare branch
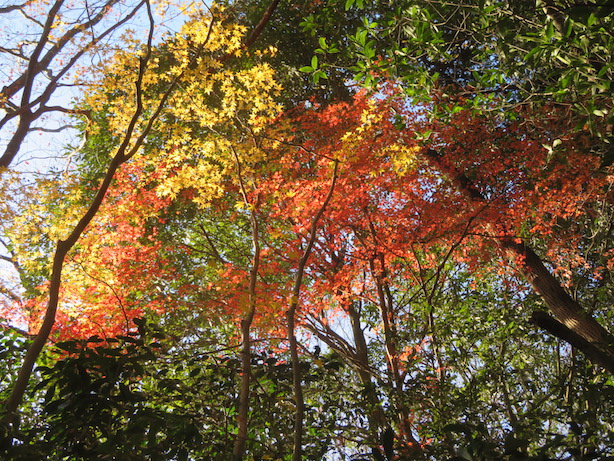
column 35, row 67
column 19, row 331
column 8, row 9
column 10, row 294
column 50, row 130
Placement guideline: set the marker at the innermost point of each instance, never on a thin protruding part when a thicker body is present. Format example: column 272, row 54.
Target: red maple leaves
column 392, row 201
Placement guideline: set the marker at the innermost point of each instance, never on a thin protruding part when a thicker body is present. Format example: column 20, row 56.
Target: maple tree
column 375, row 220
column 500, row 209
column 249, row 227
column 131, row 140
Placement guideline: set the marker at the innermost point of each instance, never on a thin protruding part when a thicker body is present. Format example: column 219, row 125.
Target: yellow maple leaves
column 42, row 217
column 209, row 120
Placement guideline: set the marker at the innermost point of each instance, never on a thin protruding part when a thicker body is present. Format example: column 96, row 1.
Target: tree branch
column 8, row 9
column 556, row 328
column 291, row 321
column 559, row 302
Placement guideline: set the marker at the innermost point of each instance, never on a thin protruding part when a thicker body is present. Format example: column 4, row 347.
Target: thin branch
column 10, row 294
column 86, row 112
column 8, row 9
column 14, row 52
column 41, row 129
column 216, row 253
column 17, row 330
column 291, row 321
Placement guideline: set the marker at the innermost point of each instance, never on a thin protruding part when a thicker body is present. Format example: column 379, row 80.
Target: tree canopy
column 341, row 230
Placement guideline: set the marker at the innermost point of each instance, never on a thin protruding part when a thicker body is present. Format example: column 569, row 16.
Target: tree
column 45, row 54
column 509, row 53
column 442, row 29
column 130, row 142
column 400, row 237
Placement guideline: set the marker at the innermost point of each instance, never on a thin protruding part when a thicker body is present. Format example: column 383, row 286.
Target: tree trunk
column 291, row 321
column 238, row 451
column 376, row 415
column 590, row 337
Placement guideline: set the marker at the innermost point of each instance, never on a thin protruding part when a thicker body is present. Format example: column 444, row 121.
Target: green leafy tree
column 472, row 54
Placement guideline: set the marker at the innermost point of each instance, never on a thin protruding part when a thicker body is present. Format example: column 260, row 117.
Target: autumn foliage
column 340, row 222
column 390, row 202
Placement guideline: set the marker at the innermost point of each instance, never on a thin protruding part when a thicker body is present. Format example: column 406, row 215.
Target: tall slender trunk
column 246, row 354
column 299, row 400
column 291, row 321
column 386, row 306
column 375, row 415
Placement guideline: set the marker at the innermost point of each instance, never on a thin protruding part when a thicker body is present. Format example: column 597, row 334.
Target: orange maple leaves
column 389, row 204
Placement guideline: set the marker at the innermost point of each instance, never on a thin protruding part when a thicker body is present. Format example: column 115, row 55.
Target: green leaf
column 68, row 346
column 49, row 394
column 424, row 136
column 314, row 62
column 349, row 4
column 194, row 372
column 318, row 75
column 130, row 339
column 605, row 69
column 307, row 69
column 592, row 19
column 458, row 427
column 550, row 30
column 568, row 27
column 361, row 37
column 533, row 52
